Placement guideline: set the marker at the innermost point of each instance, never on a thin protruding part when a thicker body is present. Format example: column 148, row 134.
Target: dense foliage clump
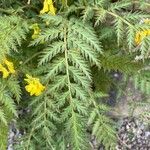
column 56, row 60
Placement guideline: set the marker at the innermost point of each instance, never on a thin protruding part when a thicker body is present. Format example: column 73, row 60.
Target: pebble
column 131, row 132
column 134, row 134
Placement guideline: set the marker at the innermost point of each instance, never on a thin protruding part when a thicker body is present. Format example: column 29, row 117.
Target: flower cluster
column 48, row 7
column 142, row 34
column 7, row 68
column 34, row 86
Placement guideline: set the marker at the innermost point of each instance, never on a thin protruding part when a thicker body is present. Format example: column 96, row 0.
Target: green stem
column 117, row 16
column 73, row 115
column 36, row 54
column 45, row 120
column 29, row 138
column 67, row 65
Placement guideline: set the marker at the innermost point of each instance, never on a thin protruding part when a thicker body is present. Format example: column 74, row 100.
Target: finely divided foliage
column 12, row 30
column 69, row 76
column 83, row 35
column 126, row 23
column 9, row 93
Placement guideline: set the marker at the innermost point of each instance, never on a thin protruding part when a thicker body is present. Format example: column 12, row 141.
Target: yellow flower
column 7, row 68
column 48, row 7
column 36, row 31
column 45, row 7
column 10, row 66
column 34, row 86
column 4, row 71
column 141, row 35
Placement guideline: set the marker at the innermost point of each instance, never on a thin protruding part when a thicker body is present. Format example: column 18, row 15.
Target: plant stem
column 117, row 16
column 66, row 63
column 36, row 54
